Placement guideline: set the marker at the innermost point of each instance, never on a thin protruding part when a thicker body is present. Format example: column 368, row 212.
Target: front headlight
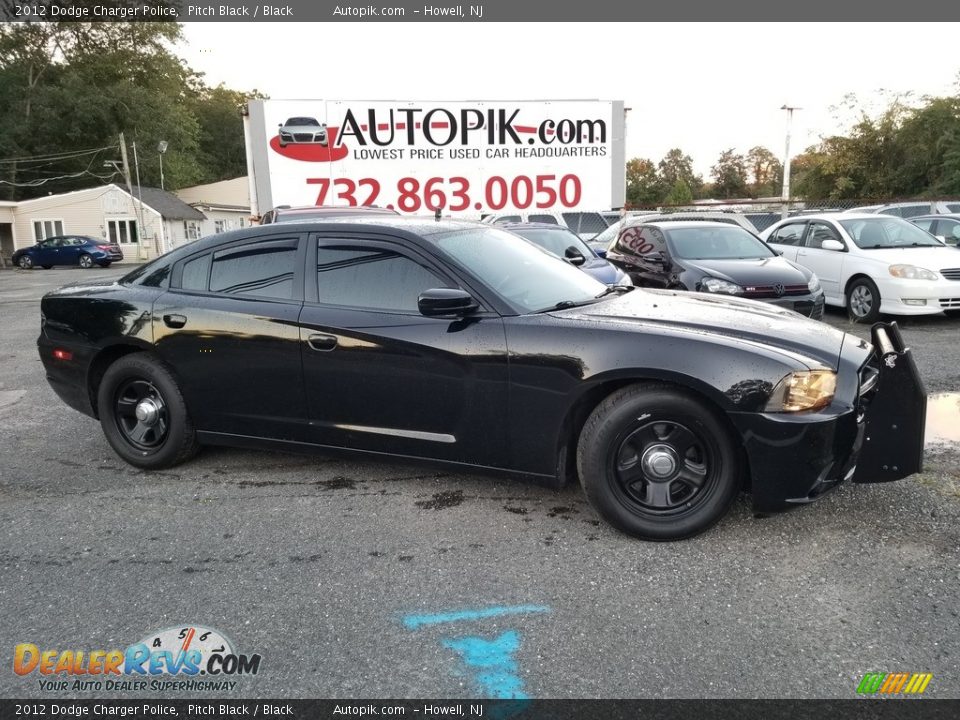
column 716, row 285
column 912, row 272
column 814, row 284
column 803, row 390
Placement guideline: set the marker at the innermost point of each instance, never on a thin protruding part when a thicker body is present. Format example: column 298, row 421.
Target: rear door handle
column 322, row 343
column 175, row 321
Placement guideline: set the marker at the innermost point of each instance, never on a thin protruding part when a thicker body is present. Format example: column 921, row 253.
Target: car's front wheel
column 25, row 262
column 863, row 301
column 86, row 262
column 658, row 463
column 143, row 414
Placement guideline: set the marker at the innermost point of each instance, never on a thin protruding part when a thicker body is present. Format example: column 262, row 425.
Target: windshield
column 887, row 232
column 554, row 242
column 303, row 121
column 520, row 272
column 716, row 243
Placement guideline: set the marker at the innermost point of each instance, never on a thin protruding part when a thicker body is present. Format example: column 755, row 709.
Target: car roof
column 948, row 216
column 334, row 210
column 681, row 224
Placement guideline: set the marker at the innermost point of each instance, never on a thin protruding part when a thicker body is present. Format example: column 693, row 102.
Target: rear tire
column 86, row 262
column 143, row 414
column 657, row 463
column 863, row 301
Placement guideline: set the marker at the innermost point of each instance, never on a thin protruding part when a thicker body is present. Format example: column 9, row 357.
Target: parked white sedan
column 872, row 264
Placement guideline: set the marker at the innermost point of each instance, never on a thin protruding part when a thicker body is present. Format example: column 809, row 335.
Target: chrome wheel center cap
column 147, row 412
column 659, row 462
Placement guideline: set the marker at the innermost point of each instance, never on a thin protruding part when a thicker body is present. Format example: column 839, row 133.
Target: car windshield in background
column 716, row 243
column 303, row 121
column 529, row 278
column 887, row 232
column 589, row 223
column 554, row 241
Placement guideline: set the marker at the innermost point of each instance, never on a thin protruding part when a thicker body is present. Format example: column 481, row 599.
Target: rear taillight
column 61, row 354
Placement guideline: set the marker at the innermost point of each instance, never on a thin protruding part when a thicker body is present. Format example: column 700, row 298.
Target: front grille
column 950, row 303
column 303, row 137
column 767, row 291
column 951, row 273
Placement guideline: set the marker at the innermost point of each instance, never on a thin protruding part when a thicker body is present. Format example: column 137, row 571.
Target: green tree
column 644, row 186
column 730, row 175
column 674, row 166
column 680, row 193
column 764, row 172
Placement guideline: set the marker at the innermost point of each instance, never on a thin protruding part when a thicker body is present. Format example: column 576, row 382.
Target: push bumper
column 795, row 458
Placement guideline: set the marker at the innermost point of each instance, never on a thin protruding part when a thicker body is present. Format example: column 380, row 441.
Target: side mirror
column 574, row 256
column 834, row 245
column 654, row 257
column 440, row 302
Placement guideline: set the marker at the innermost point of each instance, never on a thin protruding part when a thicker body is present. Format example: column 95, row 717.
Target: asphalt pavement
column 356, row 579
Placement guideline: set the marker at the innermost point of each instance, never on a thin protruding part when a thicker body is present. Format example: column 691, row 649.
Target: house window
column 122, row 231
column 42, row 229
column 242, row 223
column 219, row 226
column 191, row 231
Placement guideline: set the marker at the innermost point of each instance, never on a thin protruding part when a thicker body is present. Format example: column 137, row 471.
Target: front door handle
column 322, row 343
column 175, row 321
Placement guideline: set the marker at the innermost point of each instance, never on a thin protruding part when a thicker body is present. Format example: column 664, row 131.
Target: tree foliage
column 730, row 175
column 67, row 86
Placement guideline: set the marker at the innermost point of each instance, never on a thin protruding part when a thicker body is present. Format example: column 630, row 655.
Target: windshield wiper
column 613, row 289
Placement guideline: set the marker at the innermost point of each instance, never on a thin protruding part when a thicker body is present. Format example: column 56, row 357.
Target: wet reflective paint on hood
column 757, row 271
column 735, row 317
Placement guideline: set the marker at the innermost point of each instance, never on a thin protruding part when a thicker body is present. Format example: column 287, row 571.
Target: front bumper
column 936, row 296
column 795, row 458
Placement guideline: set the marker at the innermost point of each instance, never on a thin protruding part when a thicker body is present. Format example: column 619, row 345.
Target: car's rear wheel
column 863, row 301
column 86, row 261
column 658, row 463
column 25, row 262
column 143, row 414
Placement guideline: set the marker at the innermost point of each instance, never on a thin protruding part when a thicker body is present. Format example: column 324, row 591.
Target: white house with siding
column 226, row 205
column 145, row 225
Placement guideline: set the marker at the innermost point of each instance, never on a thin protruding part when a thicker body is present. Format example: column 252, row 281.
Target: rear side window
column 923, row 223
column 196, row 273
column 372, row 278
column 586, row 222
column 263, row 270
column 788, row 234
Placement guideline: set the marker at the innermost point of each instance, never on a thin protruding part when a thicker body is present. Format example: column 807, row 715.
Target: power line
column 55, row 157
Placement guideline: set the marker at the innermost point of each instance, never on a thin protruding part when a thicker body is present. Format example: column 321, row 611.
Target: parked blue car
column 68, row 250
column 564, row 243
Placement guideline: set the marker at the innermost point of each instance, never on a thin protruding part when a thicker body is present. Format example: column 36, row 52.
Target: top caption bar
column 534, row 11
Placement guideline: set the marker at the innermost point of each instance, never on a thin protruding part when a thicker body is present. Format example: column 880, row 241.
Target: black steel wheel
column 658, row 463
column 863, row 301
column 143, row 414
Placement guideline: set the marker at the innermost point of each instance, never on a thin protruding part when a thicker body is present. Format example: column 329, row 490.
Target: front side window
column 818, row 233
column 263, row 270
column 790, row 234
column 923, row 223
column 641, row 241
column 371, row 278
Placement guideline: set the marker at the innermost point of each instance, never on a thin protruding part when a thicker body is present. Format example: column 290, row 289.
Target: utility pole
column 138, row 216
column 785, row 195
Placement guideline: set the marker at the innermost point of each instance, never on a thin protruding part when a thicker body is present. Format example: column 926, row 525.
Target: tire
column 86, row 262
column 25, row 262
column 166, row 436
column 863, row 301
column 657, row 463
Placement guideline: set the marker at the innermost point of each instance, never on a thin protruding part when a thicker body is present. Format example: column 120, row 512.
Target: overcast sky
column 701, row 87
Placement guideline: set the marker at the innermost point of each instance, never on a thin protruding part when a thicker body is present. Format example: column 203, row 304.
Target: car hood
column 936, row 258
column 302, row 128
column 601, row 270
column 749, row 320
column 758, row 271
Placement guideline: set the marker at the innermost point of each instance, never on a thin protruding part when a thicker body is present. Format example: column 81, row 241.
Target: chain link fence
column 763, row 213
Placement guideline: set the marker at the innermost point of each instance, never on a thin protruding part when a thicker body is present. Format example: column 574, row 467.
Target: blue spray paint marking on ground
column 493, row 661
column 412, row 622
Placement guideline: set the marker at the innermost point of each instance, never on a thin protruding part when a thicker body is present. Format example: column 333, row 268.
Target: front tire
column 25, row 262
column 143, row 414
column 863, row 301
column 86, row 262
column 657, row 463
